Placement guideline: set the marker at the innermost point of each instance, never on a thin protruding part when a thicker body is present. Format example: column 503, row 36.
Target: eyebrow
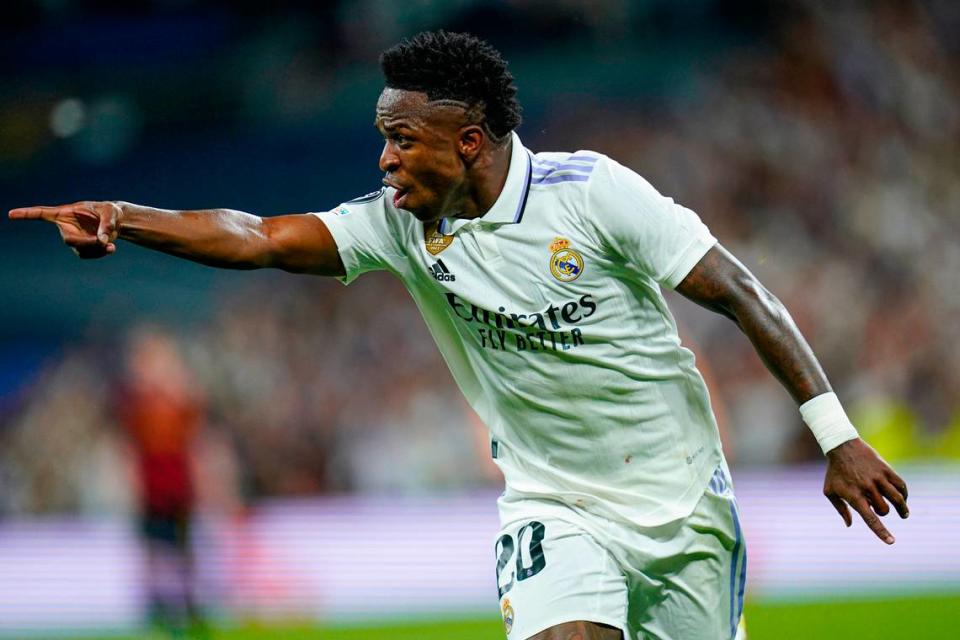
column 379, row 122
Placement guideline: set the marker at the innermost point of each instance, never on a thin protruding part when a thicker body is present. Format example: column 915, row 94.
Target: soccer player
column 539, row 276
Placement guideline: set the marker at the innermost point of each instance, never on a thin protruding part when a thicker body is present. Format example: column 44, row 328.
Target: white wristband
column 828, row 421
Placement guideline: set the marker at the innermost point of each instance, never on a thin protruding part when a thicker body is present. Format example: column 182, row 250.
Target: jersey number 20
column 534, row 554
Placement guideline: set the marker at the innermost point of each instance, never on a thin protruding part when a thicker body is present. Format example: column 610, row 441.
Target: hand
column 88, row 228
column 858, row 476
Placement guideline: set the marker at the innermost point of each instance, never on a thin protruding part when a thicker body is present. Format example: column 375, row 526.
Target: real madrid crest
column 507, row 611
column 434, row 241
column 566, row 265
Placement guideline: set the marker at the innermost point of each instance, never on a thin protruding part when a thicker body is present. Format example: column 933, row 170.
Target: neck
column 486, row 179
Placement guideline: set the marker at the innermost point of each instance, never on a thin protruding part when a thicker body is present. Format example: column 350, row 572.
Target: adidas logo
column 439, row 271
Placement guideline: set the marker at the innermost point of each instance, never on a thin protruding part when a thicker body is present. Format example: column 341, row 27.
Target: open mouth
column 399, row 197
column 400, row 193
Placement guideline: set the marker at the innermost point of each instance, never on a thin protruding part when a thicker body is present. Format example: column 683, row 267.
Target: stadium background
column 340, row 480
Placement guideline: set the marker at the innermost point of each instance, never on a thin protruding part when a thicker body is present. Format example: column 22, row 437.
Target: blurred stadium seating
column 819, row 143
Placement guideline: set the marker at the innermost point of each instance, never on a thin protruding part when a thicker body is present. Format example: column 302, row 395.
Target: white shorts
column 680, row 581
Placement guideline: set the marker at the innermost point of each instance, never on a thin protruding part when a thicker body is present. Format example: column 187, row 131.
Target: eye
column 401, row 140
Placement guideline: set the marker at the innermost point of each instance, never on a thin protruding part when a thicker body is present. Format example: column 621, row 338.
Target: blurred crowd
column 826, row 157
column 312, row 389
column 831, row 165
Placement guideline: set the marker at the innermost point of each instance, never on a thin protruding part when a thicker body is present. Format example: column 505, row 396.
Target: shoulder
column 564, row 168
column 372, row 220
column 373, row 203
column 585, row 179
column 373, row 196
column 374, row 207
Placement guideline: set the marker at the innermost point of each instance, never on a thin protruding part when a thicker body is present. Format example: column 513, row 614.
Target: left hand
column 88, row 228
column 858, row 476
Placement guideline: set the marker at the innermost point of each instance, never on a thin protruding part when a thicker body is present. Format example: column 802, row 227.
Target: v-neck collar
column 510, row 204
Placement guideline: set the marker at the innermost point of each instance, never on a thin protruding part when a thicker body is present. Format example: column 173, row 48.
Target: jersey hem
column 552, row 500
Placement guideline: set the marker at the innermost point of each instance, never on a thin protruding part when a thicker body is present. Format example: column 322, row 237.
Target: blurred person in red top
column 159, row 408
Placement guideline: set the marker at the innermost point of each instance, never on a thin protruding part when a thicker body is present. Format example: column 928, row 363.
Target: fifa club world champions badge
column 433, row 240
column 566, row 265
column 507, row 611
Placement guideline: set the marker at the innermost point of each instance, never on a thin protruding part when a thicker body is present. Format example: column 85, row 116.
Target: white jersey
column 548, row 311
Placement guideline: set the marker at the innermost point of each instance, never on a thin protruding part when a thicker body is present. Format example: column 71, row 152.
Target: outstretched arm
column 216, row 237
column 856, row 475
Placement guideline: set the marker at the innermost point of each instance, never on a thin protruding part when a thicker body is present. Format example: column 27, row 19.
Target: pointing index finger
column 35, row 213
column 872, row 520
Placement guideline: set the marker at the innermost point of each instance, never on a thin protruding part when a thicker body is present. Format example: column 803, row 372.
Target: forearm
column 856, row 474
column 778, row 341
column 215, row 237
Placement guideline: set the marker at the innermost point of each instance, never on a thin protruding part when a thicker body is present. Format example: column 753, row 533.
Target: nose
column 389, row 160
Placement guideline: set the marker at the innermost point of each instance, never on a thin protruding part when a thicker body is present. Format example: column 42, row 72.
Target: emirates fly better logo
column 440, row 272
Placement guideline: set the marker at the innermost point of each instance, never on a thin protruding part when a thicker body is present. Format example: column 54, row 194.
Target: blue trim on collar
column 526, row 190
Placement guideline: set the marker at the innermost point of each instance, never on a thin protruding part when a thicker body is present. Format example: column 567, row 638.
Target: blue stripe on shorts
column 737, row 586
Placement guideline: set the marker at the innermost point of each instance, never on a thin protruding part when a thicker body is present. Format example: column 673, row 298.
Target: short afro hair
column 458, row 67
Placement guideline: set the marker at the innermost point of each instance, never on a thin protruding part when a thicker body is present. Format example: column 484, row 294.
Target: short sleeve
column 366, row 238
column 649, row 231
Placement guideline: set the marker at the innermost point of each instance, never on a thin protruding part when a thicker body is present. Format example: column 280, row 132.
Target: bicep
column 721, row 283
column 302, row 243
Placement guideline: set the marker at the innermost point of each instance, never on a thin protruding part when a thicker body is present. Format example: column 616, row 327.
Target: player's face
column 421, row 154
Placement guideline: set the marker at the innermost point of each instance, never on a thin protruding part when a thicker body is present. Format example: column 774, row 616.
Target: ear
column 470, row 142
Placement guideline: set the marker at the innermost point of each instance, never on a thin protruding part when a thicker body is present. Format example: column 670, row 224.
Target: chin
column 423, row 215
